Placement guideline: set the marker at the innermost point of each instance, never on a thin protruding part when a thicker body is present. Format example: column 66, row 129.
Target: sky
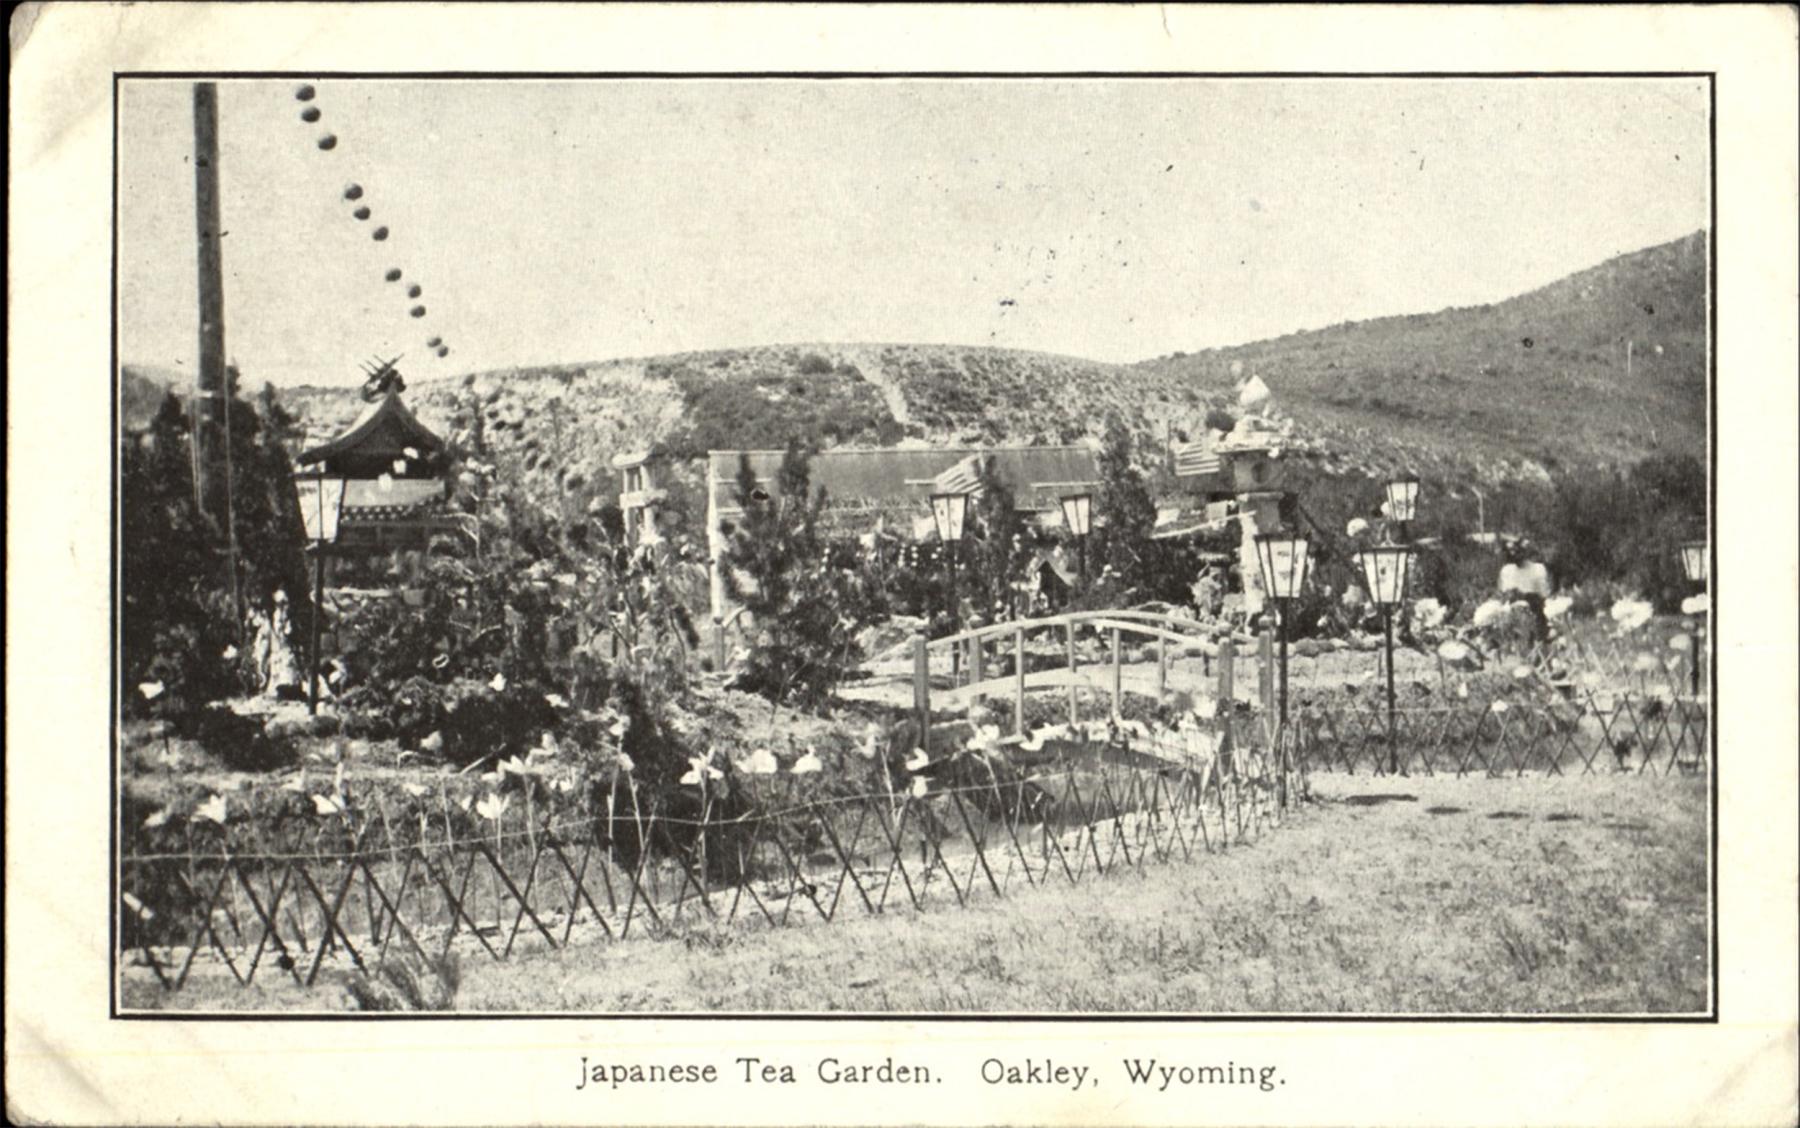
column 554, row 221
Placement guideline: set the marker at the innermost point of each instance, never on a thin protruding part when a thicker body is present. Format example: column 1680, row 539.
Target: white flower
column 1488, row 612
column 547, row 746
column 1631, row 614
column 327, row 805
column 1557, row 606
column 566, row 579
column 1450, row 650
column 557, row 700
column 700, row 770
column 1644, row 663
column 1500, row 706
column 492, row 807
column 986, row 737
column 1680, row 642
column 618, row 727
column 1356, row 528
column 150, row 689
column 432, row 743
column 230, row 653
column 807, row 764
column 871, row 743
column 411, row 452
column 920, row 786
column 759, row 762
column 918, row 760
column 464, row 802
column 498, row 685
column 157, row 819
column 1427, row 613
column 1696, row 604
column 512, row 765
column 624, row 762
column 213, row 810
column 1521, row 672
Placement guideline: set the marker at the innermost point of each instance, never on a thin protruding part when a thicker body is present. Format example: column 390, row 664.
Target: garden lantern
column 1403, row 501
column 1283, row 558
column 1693, row 561
column 1078, row 514
column 948, row 510
column 321, row 505
column 1694, row 565
column 1386, row 569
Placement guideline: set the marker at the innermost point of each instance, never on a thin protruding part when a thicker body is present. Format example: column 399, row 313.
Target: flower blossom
column 1631, row 614
column 1427, row 613
column 1696, row 604
column 807, row 764
column 759, row 762
column 1557, row 606
column 1489, row 612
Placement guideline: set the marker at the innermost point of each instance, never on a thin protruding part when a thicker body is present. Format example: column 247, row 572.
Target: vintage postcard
column 830, row 565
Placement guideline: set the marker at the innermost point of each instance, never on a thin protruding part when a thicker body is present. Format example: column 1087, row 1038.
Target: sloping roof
column 869, row 478
column 384, row 428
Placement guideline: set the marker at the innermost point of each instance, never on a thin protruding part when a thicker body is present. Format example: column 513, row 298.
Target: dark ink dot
column 414, row 291
column 443, row 350
column 380, row 234
column 433, row 342
column 418, row 311
column 305, row 93
column 361, row 213
column 328, row 142
column 354, row 192
column 310, row 114
column 1650, row 309
column 1526, row 342
column 394, row 275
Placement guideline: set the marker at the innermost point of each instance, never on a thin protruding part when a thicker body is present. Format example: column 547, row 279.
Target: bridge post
column 1118, row 694
column 1019, row 681
column 1162, row 667
column 975, row 673
column 1072, row 708
column 1265, row 669
column 922, row 689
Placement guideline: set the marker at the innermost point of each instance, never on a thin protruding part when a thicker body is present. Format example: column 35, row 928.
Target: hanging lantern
column 361, row 213
column 354, row 192
column 414, row 291
column 418, row 311
column 328, row 142
column 394, row 275
column 305, row 93
column 1078, row 513
column 1403, row 497
column 380, row 234
column 1694, row 562
column 947, row 512
column 310, row 114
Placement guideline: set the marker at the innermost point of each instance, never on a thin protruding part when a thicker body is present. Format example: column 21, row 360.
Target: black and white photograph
column 907, row 544
column 1136, row 548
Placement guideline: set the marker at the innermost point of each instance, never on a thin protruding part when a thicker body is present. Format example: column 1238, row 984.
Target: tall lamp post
column 1403, row 502
column 1078, row 514
column 948, row 511
column 1695, row 567
column 1386, row 569
column 321, row 505
column 1283, row 559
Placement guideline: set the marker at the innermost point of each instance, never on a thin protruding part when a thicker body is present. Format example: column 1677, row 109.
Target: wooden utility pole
column 209, row 374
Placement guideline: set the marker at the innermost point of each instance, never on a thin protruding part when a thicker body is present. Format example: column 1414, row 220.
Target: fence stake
column 975, row 673
column 1162, row 666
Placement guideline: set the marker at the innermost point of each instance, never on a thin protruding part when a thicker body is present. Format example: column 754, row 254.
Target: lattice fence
column 351, row 891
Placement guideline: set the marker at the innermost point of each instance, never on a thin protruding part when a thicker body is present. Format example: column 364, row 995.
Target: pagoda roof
column 383, row 430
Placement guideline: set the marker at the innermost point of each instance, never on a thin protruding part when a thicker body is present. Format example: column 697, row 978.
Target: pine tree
column 803, row 600
column 1129, row 514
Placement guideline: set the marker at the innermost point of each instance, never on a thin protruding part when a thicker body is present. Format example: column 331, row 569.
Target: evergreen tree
column 1129, row 514
column 803, row 601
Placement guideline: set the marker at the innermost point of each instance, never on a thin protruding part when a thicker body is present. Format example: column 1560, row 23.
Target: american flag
column 1192, row 459
column 962, row 478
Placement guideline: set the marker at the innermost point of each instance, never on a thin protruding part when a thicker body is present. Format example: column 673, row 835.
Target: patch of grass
column 1351, row 907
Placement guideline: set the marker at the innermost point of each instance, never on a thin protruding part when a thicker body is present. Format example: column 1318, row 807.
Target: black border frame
column 1711, row 1017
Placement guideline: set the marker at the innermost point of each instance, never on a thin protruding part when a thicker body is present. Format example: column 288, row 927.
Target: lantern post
column 948, row 511
column 1694, row 566
column 1283, row 559
column 321, row 506
column 1078, row 514
column 1386, row 569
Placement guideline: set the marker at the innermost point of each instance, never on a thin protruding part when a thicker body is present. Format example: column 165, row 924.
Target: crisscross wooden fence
column 351, row 891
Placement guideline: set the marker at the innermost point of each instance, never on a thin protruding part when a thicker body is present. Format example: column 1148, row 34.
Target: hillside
column 1494, row 392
